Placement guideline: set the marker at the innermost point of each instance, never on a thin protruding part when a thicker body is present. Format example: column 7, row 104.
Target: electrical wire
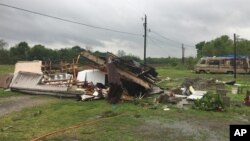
column 153, row 40
column 154, row 43
column 158, row 40
column 177, row 42
column 70, row 21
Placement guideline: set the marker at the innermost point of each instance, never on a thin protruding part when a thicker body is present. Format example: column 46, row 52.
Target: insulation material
column 197, row 95
column 5, row 81
column 29, row 66
column 94, row 76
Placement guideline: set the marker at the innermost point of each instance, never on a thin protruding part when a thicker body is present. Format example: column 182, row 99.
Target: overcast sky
column 171, row 22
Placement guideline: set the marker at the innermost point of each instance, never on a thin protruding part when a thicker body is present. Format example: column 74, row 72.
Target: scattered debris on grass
column 114, row 79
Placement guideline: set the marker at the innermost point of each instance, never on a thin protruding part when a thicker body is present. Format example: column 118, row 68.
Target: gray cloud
column 184, row 21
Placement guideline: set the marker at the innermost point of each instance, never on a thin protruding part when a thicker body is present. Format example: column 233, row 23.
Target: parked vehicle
column 222, row 65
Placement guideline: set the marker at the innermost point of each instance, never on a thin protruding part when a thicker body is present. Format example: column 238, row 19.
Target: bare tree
column 121, row 53
column 89, row 48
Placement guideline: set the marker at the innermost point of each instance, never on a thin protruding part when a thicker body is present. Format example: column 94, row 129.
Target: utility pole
column 183, row 50
column 235, row 66
column 145, row 39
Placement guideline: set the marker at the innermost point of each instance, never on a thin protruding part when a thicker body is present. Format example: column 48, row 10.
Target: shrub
column 209, row 102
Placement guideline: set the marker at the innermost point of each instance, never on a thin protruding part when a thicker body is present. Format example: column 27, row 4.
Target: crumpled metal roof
column 32, row 81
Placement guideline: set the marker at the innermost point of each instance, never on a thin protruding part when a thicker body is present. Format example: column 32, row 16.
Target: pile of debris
column 205, row 94
column 126, row 78
column 108, row 77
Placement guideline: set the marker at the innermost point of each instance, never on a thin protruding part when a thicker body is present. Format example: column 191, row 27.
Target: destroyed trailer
column 110, row 77
column 126, row 78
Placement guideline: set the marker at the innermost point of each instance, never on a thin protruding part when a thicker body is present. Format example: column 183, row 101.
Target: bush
column 209, row 102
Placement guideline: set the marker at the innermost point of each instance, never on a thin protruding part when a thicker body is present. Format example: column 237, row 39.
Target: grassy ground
column 128, row 120
column 7, row 93
column 5, row 69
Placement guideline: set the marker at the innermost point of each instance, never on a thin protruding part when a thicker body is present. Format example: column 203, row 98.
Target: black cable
column 70, row 21
column 170, row 39
column 169, row 43
column 155, row 43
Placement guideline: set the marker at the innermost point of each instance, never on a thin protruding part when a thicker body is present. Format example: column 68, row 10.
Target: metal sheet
column 32, row 81
column 5, row 81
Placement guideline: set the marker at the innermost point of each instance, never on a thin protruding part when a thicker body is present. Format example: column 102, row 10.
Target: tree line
column 223, row 46
column 220, row 46
column 23, row 52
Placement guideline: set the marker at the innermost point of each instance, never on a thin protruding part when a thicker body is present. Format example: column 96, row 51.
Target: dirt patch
column 16, row 103
column 153, row 130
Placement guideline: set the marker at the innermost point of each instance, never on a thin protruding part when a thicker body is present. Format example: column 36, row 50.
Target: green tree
column 223, row 45
column 243, row 47
column 20, row 52
column 68, row 54
column 39, row 52
column 220, row 46
column 199, row 48
column 3, row 44
column 4, row 53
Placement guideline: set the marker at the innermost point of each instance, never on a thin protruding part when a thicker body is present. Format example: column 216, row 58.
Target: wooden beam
column 93, row 58
column 123, row 73
column 134, row 78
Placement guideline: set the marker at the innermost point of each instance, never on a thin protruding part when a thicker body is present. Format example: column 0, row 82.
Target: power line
column 70, row 21
column 169, row 43
column 154, row 41
column 165, row 37
column 177, row 42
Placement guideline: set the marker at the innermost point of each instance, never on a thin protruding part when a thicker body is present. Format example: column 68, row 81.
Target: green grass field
column 127, row 121
column 5, row 69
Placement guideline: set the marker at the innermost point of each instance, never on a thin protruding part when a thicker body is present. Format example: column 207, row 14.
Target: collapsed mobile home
column 108, row 76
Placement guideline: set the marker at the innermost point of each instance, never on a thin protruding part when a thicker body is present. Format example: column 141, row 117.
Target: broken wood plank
column 93, row 58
